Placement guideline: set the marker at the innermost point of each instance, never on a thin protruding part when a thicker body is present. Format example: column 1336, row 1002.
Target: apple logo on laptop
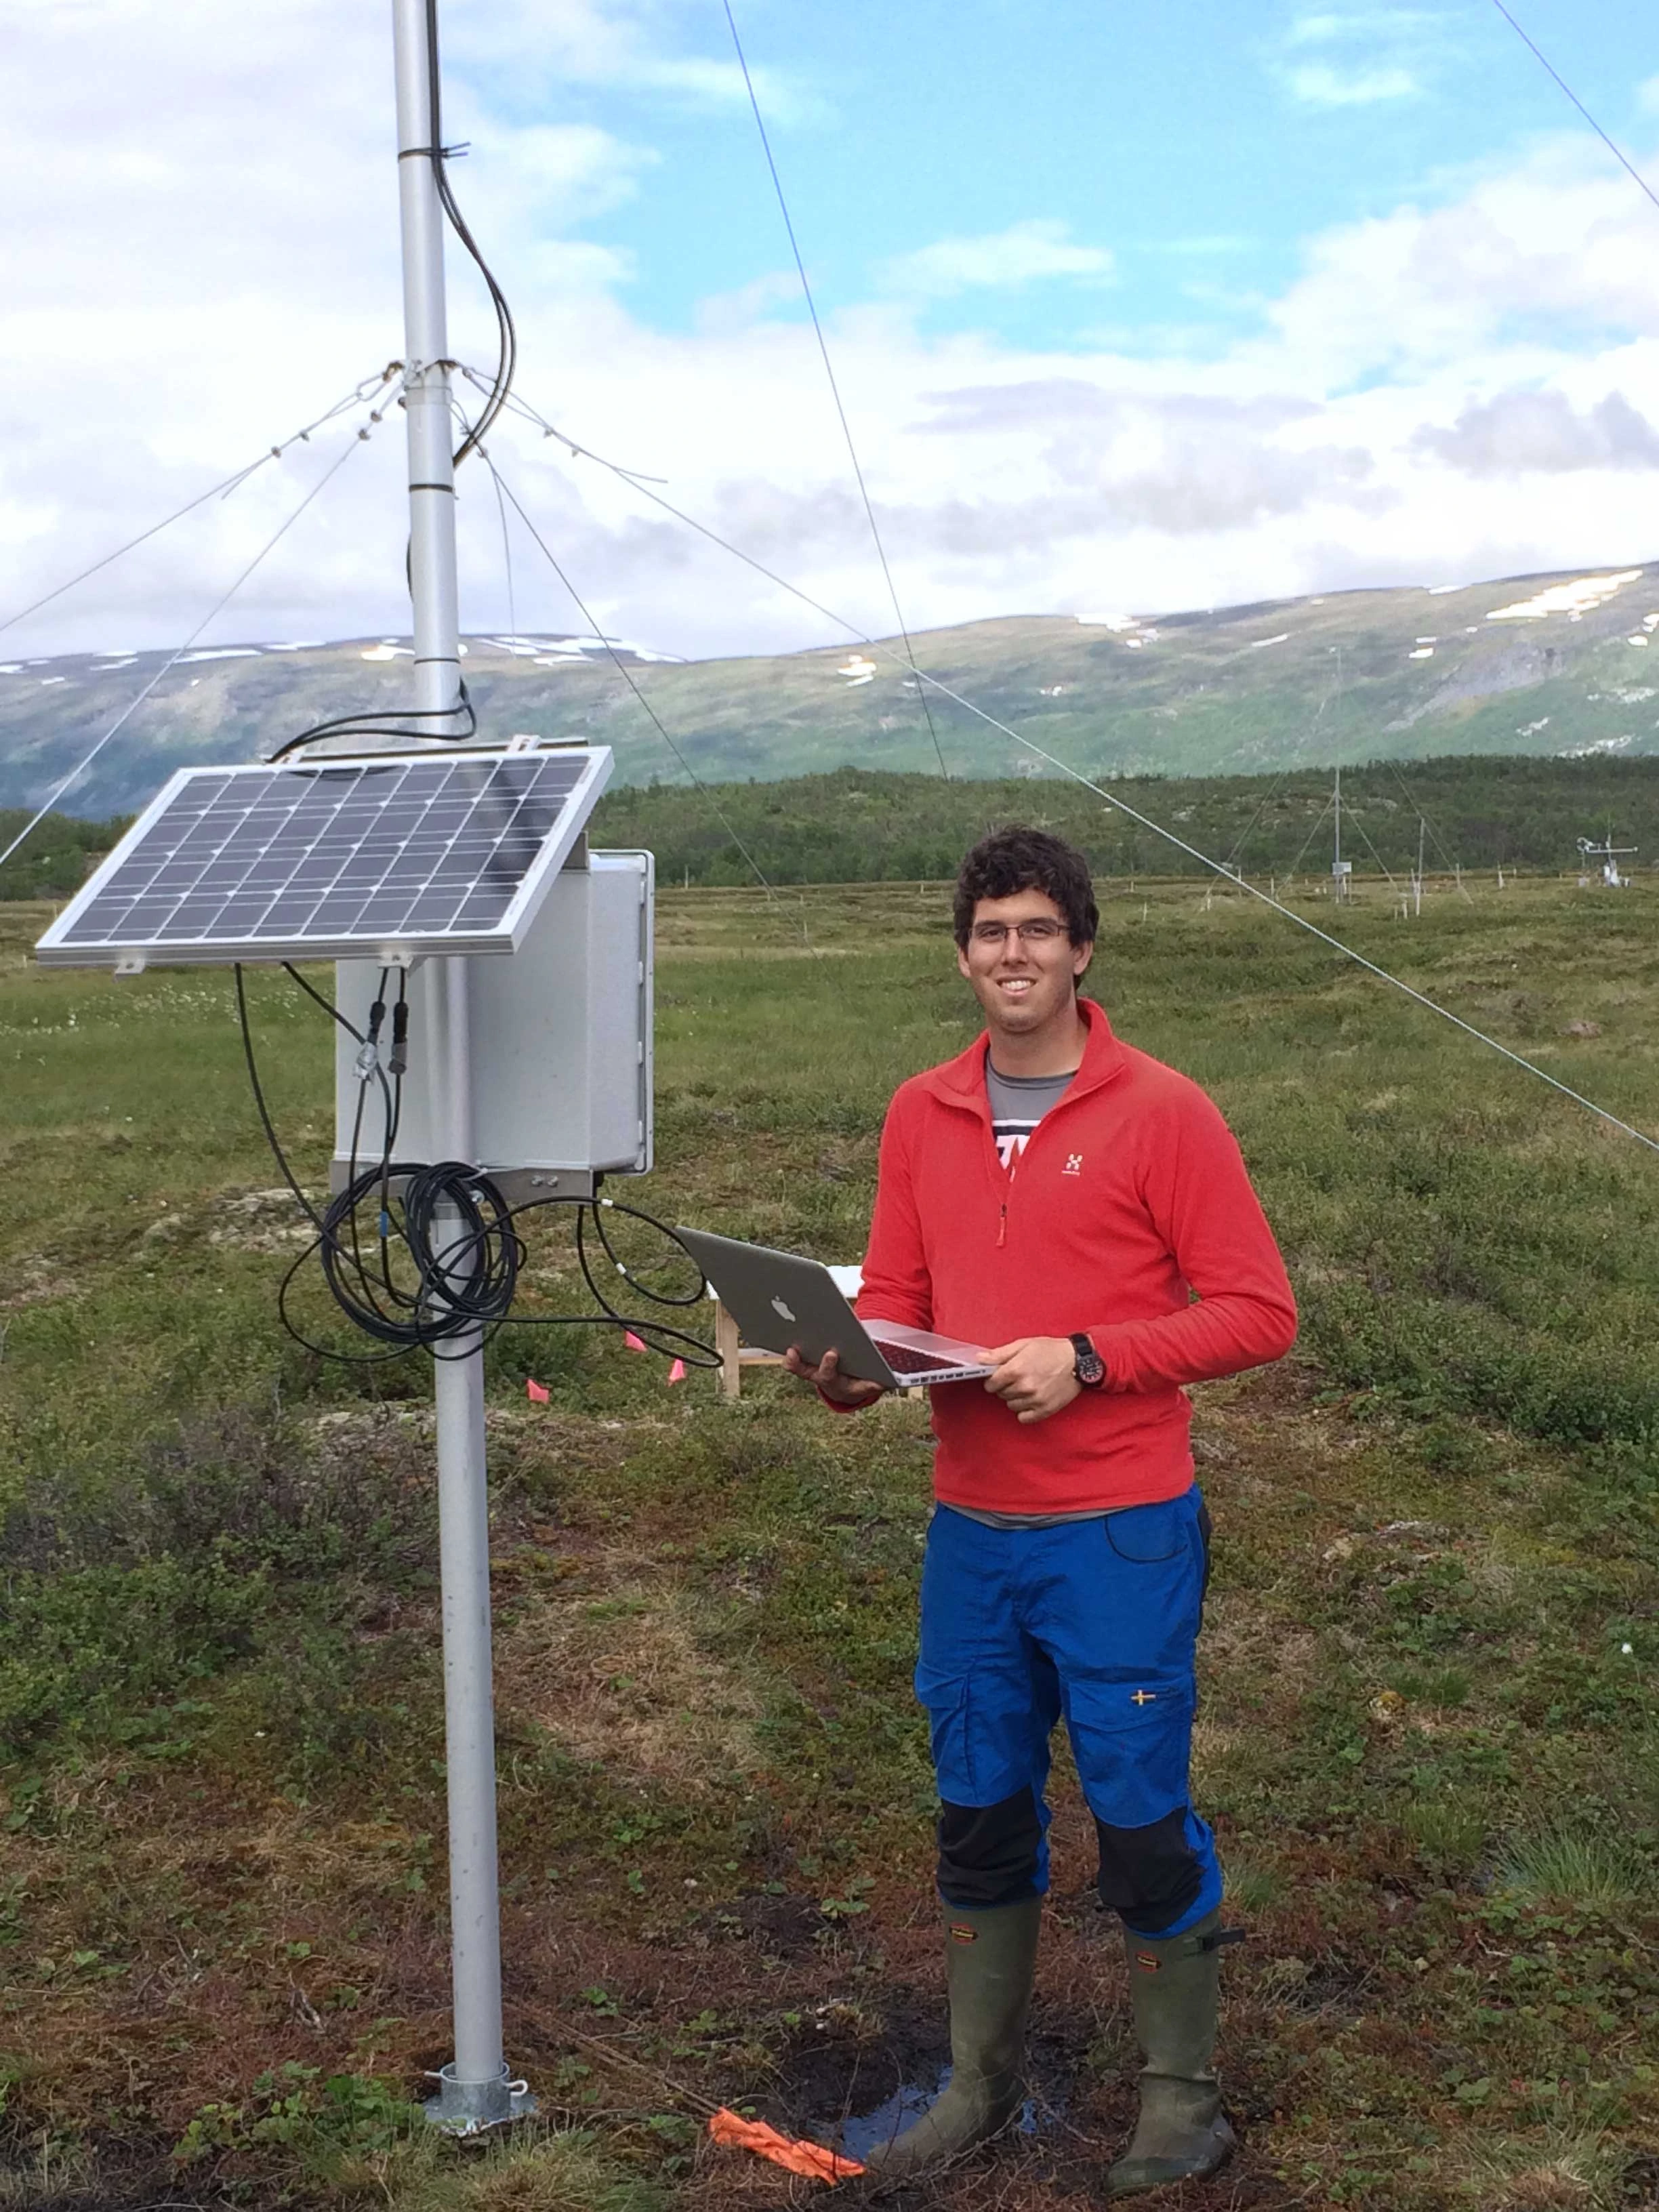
column 782, row 1311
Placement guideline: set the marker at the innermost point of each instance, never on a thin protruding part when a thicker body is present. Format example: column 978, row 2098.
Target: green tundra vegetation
column 852, row 826
column 1429, row 1735
column 57, row 857
column 858, row 825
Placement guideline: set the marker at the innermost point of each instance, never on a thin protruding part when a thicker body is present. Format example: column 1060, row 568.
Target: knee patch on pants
column 988, row 1854
column 1152, row 1875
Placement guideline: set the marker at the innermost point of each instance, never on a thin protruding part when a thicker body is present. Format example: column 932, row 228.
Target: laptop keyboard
column 904, row 1361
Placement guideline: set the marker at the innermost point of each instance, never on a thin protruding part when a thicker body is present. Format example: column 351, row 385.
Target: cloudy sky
column 1132, row 308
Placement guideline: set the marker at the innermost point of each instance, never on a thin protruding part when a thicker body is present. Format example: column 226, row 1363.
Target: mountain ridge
column 1550, row 662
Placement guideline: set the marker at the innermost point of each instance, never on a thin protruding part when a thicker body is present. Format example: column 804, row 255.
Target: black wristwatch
column 1089, row 1367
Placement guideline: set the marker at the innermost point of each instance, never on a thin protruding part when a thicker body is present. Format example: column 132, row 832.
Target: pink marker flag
column 676, row 1372
column 634, row 1343
column 536, row 1393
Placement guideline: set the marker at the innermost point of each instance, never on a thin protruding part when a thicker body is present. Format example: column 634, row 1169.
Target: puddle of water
column 864, row 2131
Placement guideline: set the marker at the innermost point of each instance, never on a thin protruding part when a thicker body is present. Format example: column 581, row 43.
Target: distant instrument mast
column 1609, row 855
column 1341, row 870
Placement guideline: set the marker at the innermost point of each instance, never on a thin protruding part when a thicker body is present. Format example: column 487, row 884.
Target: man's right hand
column 840, row 1390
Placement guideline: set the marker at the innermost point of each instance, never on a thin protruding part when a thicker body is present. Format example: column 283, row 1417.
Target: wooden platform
column 735, row 1355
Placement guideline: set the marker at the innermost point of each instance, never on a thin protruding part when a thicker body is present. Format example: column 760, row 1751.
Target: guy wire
column 1550, row 69
column 1428, row 821
column 1123, row 807
column 835, row 388
column 1353, row 819
column 1302, row 852
column 505, row 490
column 357, row 396
column 506, row 555
column 179, row 652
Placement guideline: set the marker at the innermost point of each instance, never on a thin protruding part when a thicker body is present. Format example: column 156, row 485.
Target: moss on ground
column 1429, row 1726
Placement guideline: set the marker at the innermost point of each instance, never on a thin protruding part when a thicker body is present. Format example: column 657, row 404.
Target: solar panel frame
column 306, row 869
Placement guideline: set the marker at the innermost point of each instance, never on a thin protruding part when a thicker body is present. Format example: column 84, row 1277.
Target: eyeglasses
column 1029, row 932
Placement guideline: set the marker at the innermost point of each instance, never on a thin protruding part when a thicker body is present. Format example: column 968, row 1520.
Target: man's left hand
column 1034, row 1376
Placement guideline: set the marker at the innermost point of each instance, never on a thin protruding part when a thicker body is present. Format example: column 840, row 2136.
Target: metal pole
column 474, row 2090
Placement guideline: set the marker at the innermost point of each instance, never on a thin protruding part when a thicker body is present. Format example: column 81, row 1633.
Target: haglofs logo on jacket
column 1073, row 1164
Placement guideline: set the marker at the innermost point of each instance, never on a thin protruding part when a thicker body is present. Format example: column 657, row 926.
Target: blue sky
column 1132, row 309
column 1192, row 148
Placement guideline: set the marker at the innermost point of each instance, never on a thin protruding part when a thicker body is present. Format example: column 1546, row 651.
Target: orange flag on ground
column 676, row 1372
column 536, row 1393
column 788, row 2151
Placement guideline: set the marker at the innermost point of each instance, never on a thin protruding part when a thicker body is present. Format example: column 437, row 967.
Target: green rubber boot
column 990, row 1964
column 1174, row 1986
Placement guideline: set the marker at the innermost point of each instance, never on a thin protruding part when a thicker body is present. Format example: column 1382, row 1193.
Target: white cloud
column 1542, row 432
column 1553, row 245
column 211, row 257
column 1368, row 55
column 1359, row 25
column 1322, row 85
column 544, row 44
column 1024, row 253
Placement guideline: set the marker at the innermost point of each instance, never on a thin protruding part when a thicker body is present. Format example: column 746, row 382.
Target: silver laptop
column 778, row 1299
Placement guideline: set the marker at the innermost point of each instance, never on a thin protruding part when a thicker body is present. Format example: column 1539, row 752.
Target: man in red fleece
column 1084, row 1212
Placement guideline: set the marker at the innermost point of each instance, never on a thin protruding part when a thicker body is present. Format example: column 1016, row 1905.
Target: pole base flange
column 465, row 2108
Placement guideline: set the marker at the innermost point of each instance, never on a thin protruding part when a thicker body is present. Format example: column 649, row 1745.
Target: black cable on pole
column 373, row 725
column 369, row 724
column 835, row 388
column 506, row 332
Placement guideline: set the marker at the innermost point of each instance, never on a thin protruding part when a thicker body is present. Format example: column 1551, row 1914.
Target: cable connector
column 397, row 1062
column 368, row 1057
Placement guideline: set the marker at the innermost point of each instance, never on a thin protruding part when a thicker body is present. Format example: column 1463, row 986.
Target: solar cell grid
column 392, row 849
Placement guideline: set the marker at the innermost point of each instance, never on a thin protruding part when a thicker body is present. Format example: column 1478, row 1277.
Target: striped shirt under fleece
column 1018, row 1103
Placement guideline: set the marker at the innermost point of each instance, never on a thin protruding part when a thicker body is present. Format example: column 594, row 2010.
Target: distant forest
column 858, row 826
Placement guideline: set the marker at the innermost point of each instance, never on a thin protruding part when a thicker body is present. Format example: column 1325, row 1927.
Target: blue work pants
column 1095, row 1620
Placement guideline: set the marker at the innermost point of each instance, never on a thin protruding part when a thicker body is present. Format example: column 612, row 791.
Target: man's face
column 1023, row 982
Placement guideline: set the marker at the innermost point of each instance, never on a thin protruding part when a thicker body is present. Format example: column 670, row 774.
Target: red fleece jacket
column 1130, row 1196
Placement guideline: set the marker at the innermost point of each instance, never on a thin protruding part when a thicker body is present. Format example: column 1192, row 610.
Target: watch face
column 1091, row 1367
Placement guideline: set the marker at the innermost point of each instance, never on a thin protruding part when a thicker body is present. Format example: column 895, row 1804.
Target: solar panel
column 434, row 854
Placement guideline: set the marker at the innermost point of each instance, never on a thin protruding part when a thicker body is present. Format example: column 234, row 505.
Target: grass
column 1581, row 1869
column 1429, row 1719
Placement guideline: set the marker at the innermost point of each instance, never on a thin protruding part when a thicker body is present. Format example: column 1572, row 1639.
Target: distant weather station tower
column 1609, row 855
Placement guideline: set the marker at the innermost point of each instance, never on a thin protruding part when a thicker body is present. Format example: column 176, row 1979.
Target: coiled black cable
column 443, row 1259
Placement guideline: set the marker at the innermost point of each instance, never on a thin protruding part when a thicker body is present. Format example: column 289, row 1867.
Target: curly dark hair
column 1021, row 859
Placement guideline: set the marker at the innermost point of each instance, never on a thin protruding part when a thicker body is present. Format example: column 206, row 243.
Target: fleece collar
column 961, row 1081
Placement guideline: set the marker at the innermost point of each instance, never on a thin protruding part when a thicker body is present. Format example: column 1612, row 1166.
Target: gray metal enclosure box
column 561, row 1036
